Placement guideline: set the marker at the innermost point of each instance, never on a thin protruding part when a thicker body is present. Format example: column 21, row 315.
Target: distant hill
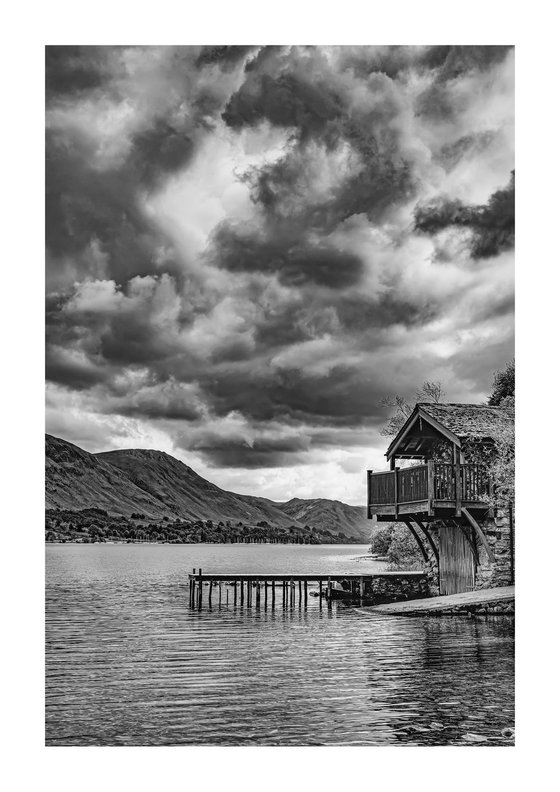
column 75, row 479
column 329, row 514
column 158, row 485
column 187, row 494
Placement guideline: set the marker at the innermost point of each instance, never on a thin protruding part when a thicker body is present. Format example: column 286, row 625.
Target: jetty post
column 329, row 594
column 199, row 588
column 320, row 594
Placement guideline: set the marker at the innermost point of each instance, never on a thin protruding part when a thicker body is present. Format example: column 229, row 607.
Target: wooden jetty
column 259, row 590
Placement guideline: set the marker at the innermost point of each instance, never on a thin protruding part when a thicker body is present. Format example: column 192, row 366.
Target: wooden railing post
column 431, row 487
column 396, row 471
column 458, row 488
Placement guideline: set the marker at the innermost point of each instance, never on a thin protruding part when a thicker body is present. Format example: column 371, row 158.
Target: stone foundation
column 397, row 587
column 499, row 573
column 488, row 574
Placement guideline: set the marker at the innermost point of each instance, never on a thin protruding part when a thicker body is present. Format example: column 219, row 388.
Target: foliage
column 397, row 543
column 96, row 525
column 504, row 384
column 428, row 392
column 502, row 468
column 403, row 552
column 381, row 540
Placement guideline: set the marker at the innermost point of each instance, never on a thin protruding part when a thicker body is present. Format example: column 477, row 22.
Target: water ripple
column 127, row 662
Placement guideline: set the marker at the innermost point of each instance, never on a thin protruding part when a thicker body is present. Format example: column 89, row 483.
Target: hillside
column 329, row 514
column 186, row 493
column 159, row 486
column 75, row 479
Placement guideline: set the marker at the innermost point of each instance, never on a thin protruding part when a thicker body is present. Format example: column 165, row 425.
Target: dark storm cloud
column 69, row 70
column 467, row 145
column 264, row 452
column 492, row 224
column 160, row 150
column 461, row 59
column 294, row 264
column 76, row 372
column 285, row 101
column 438, row 101
column 360, row 313
column 380, row 183
column 85, row 206
column 225, row 57
column 93, row 190
column 234, row 257
column 343, row 395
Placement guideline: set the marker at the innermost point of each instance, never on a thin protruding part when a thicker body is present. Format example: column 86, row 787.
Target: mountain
column 75, row 479
column 329, row 514
column 157, row 485
column 187, row 494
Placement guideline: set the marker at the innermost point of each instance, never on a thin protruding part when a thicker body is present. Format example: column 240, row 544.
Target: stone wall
column 499, row 573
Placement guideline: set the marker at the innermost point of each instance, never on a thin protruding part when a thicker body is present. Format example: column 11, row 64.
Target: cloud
column 493, row 224
column 248, row 247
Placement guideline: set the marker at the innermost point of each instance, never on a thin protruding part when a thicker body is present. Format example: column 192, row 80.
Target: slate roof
column 474, row 421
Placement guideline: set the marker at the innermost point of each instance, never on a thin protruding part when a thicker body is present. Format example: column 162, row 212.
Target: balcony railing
column 433, row 485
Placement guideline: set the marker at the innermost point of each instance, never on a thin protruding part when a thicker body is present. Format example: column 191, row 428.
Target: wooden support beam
column 480, row 533
column 428, row 536
column 418, row 540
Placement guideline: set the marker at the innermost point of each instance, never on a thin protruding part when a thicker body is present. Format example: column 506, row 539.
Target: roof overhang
column 417, row 415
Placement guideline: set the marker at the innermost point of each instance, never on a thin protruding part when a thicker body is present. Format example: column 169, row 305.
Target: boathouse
column 443, row 492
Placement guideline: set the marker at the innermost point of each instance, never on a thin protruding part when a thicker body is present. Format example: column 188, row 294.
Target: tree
column 502, row 468
column 381, row 540
column 403, row 552
column 504, row 384
column 428, row 392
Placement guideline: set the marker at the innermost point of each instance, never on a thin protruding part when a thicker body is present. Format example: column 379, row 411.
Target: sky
column 249, row 248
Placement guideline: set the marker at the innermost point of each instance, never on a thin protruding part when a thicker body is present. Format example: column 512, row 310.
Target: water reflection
column 128, row 663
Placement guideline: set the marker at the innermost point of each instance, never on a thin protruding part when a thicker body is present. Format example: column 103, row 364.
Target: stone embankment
column 484, row 602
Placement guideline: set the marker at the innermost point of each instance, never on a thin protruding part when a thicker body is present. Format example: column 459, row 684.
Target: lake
column 128, row 663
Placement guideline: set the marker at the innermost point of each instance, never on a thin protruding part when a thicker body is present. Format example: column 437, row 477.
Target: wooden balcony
column 434, row 489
